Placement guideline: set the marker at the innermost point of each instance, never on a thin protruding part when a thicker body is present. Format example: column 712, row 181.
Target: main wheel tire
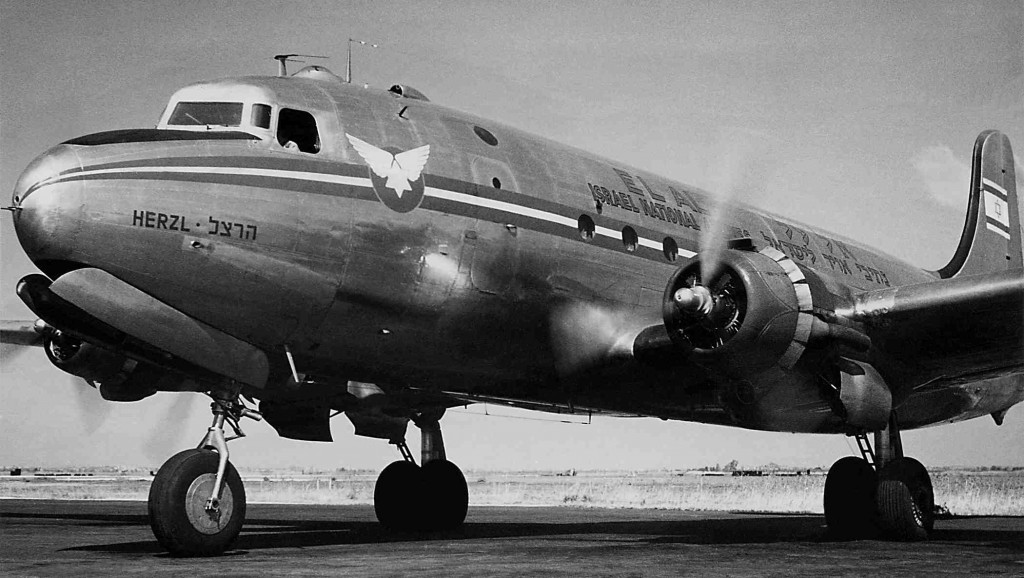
column 905, row 500
column 396, row 496
column 850, row 498
column 447, row 495
column 177, row 505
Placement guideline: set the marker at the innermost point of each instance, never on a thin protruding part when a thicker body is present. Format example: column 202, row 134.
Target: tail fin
column 991, row 240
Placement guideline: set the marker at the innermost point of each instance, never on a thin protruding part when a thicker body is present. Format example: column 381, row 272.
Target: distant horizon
column 371, row 471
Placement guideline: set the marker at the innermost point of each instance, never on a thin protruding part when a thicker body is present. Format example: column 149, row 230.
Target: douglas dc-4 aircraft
column 318, row 248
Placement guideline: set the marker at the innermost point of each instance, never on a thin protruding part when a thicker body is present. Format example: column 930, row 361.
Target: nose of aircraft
column 47, row 199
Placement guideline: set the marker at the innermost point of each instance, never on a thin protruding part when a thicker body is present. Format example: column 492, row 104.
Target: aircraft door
column 490, row 253
column 490, row 256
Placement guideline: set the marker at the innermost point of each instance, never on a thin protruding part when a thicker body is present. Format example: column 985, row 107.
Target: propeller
column 19, row 337
column 588, row 333
column 93, row 409
column 708, row 312
column 10, row 353
column 165, row 434
column 747, row 161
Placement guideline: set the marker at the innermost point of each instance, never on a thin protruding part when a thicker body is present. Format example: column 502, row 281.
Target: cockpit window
column 297, row 129
column 207, row 113
column 261, row 115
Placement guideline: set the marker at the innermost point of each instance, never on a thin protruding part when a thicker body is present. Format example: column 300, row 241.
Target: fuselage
column 465, row 279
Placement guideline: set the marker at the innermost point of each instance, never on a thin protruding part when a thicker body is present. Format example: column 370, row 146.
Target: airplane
column 298, row 247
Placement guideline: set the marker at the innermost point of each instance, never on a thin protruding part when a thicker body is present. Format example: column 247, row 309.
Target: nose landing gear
column 197, row 500
column 881, row 491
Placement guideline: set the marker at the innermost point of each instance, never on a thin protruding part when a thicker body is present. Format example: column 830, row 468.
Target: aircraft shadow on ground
column 271, row 532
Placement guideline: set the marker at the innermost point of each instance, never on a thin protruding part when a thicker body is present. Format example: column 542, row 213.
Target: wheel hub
column 918, row 518
column 208, row 521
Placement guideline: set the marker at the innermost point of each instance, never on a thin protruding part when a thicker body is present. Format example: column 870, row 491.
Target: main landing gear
column 883, row 490
column 409, row 497
column 197, row 501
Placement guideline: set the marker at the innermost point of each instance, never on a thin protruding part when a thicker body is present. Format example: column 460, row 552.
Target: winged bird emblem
column 400, row 169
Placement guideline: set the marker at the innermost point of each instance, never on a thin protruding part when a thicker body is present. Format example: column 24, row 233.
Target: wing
column 379, row 160
column 20, row 333
column 16, row 337
column 413, row 161
column 961, row 326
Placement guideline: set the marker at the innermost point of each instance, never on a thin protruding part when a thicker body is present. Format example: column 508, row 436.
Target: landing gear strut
column 197, row 500
column 432, row 497
column 882, row 490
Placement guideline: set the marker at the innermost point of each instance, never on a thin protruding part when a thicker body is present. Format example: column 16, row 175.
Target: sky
column 862, row 116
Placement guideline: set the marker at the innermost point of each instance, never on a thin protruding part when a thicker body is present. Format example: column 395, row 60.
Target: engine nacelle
column 753, row 313
column 756, row 311
column 864, row 395
column 85, row 360
column 117, row 377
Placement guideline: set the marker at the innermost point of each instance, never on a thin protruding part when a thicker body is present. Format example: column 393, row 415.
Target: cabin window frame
column 586, row 227
column 630, row 239
column 670, row 248
column 253, row 107
column 304, row 144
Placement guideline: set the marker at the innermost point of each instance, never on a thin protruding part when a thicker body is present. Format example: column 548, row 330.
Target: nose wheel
column 178, row 511
column 197, row 500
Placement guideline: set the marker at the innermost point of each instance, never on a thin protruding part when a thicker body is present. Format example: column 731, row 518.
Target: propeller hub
column 696, row 300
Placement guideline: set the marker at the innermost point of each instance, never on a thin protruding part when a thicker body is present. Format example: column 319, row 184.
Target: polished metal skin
column 453, row 259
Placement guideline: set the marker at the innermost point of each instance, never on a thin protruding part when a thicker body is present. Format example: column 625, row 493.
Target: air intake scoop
column 316, row 72
column 408, row 92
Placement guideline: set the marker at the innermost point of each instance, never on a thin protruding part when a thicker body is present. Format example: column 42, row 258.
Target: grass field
column 961, row 493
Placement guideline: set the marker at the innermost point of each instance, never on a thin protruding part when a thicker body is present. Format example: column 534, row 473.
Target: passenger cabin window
column 297, row 129
column 261, row 115
column 206, row 114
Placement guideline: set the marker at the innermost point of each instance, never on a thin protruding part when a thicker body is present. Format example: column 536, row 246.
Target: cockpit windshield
column 207, row 113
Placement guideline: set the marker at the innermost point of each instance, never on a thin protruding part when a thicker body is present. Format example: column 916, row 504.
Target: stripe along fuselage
column 263, row 220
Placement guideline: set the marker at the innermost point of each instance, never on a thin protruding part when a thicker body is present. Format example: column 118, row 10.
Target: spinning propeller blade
column 165, row 434
column 748, row 161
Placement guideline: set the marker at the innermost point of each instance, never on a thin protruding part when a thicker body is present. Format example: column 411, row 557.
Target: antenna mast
column 348, row 65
